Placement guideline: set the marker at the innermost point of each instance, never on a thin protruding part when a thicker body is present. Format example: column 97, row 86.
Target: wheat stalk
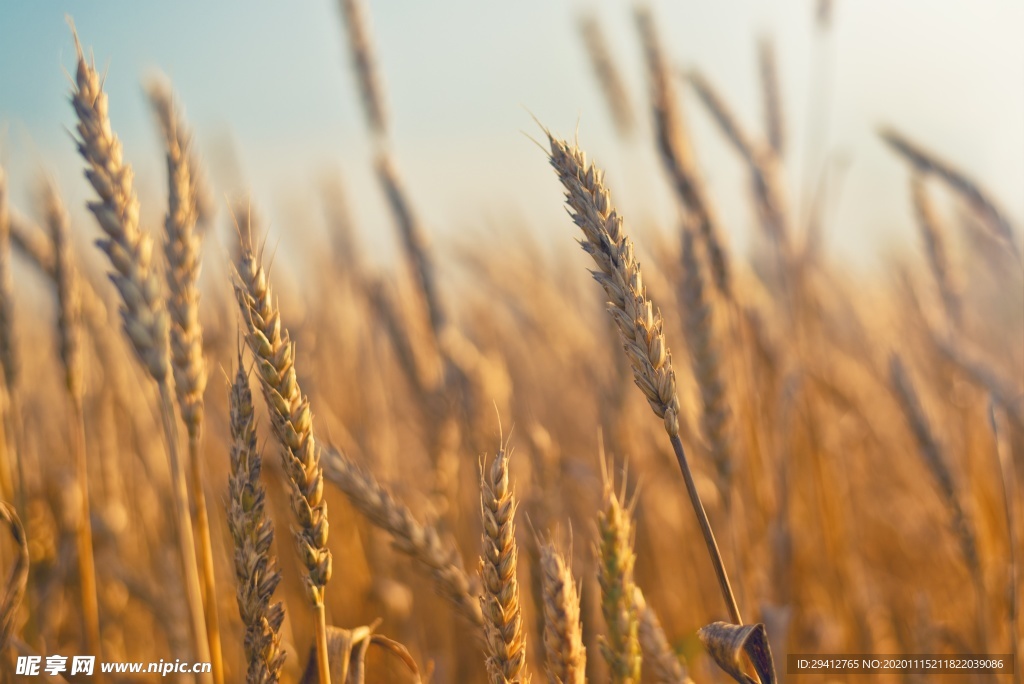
column 145, row 321
column 503, row 623
column 292, row 423
column 565, row 657
column 640, row 329
column 252, row 532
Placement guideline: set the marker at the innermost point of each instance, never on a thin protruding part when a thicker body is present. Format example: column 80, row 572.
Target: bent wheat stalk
column 640, row 328
column 145, row 320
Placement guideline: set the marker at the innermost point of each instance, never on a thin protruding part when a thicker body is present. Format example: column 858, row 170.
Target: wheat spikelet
column 253, row 535
column 414, row 240
column 130, row 251
column 182, row 252
column 503, row 624
column 69, row 336
column 938, row 465
column 65, row 279
column 661, row 662
column 676, row 153
column 145, row 321
column 181, row 248
column 292, row 423
column 935, row 249
column 765, row 172
column 704, row 360
column 639, row 328
column 422, row 543
column 176, row 133
column 925, row 162
column 613, row 86
column 621, row 644
column 565, row 657
column 364, row 60
column 770, row 96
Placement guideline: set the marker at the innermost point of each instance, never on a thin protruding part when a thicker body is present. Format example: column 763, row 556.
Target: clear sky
column 267, row 86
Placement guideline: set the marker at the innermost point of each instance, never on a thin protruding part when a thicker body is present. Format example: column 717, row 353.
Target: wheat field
column 474, row 464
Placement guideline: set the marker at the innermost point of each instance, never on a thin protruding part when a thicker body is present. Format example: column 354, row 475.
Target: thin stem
column 705, row 528
column 202, row 523
column 86, row 560
column 323, row 667
column 186, row 542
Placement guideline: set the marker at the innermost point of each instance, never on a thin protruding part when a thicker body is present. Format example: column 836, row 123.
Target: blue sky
column 267, row 86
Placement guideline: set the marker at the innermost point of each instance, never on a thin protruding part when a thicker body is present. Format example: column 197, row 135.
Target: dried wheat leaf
column 727, row 644
column 346, row 651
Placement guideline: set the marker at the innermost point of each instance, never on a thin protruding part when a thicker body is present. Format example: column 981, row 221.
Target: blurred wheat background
column 351, row 409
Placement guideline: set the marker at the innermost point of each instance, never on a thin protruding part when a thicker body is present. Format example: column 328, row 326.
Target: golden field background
column 858, row 443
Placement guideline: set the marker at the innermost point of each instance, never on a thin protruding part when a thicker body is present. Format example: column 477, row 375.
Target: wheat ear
column 704, row 361
column 676, row 153
column 173, row 128
column 292, row 423
column 661, row 661
column 771, row 96
column 252, row 532
column 503, row 623
column 144, row 318
column 765, row 170
column 565, row 657
column 69, row 337
column 925, row 162
column 615, row 560
column 364, row 61
column 935, row 249
column 182, row 251
column 938, row 465
column 613, row 86
column 421, row 542
column 640, row 328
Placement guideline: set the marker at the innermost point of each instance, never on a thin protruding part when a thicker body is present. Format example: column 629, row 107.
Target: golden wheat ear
column 292, row 423
column 503, row 623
